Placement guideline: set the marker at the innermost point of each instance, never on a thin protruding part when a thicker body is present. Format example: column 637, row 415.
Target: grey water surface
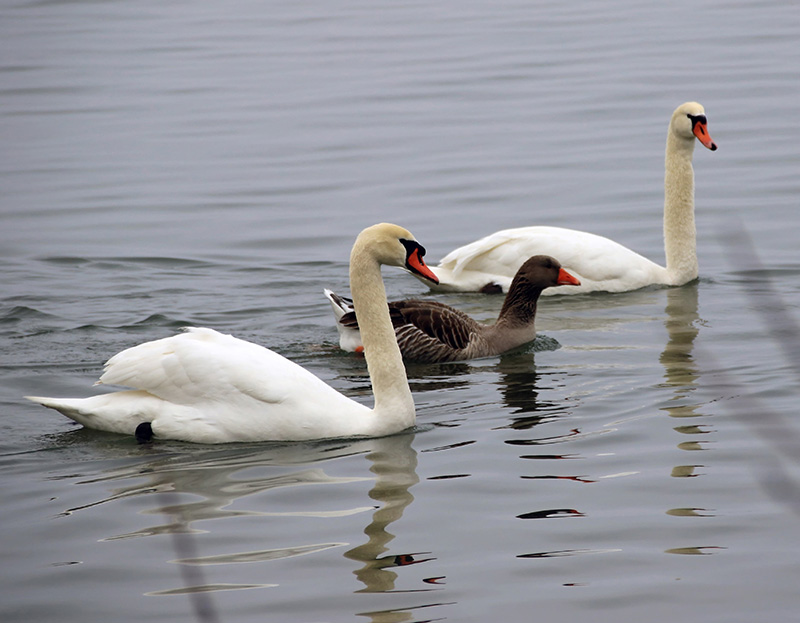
column 166, row 164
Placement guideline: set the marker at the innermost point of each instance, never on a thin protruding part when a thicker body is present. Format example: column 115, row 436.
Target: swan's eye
column 695, row 119
column 411, row 246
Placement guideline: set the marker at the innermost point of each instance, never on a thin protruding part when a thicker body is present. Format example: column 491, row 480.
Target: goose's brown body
column 432, row 332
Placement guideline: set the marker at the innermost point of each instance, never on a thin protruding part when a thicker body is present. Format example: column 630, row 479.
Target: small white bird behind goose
column 489, row 264
column 432, row 332
column 206, row 387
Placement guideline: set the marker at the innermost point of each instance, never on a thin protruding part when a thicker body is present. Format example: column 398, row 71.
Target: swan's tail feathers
column 349, row 335
column 119, row 412
column 67, row 406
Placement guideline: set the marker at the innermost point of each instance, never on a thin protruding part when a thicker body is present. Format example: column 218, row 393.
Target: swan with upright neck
column 489, row 264
column 432, row 332
column 206, row 387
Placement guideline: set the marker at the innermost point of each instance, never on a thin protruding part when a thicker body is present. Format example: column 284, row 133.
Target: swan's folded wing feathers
column 503, row 252
column 202, row 365
column 458, row 259
column 141, row 366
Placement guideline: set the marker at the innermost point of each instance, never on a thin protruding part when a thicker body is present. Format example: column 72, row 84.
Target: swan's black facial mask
column 700, row 130
column 414, row 262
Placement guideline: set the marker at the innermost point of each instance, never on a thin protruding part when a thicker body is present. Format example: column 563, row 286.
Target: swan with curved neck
column 207, row 387
column 489, row 264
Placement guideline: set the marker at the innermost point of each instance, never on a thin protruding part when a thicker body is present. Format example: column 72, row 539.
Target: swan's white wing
column 205, row 386
column 202, row 365
column 459, row 259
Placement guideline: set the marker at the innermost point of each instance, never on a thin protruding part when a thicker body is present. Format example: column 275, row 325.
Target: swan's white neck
column 680, row 236
column 394, row 405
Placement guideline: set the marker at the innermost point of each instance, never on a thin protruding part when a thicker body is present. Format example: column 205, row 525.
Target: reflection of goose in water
column 520, row 385
column 530, row 392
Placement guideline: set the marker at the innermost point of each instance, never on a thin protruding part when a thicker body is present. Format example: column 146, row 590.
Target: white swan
column 206, row 387
column 489, row 264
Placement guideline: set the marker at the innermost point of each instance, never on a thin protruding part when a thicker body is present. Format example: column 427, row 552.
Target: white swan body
column 207, row 387
column 489, row 264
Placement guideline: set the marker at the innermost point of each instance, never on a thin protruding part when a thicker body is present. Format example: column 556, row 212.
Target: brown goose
column 432, row 332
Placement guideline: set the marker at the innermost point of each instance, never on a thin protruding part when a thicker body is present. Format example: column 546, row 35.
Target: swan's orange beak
column 701, row 132
column 416, row 264
column 565, row 279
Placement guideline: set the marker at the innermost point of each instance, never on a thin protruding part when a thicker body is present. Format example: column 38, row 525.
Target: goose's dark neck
column 519, row 308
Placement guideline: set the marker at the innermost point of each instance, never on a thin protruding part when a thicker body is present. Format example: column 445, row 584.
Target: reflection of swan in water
column 190, row 487
column 204, row 485
column 680, row 369
column 394, row 464
column 681, row 374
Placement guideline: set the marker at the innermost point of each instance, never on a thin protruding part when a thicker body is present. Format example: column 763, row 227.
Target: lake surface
column 173, row 164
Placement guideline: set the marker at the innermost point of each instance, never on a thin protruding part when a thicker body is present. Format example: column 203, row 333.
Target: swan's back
column 598, row 262
column 202, row 364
